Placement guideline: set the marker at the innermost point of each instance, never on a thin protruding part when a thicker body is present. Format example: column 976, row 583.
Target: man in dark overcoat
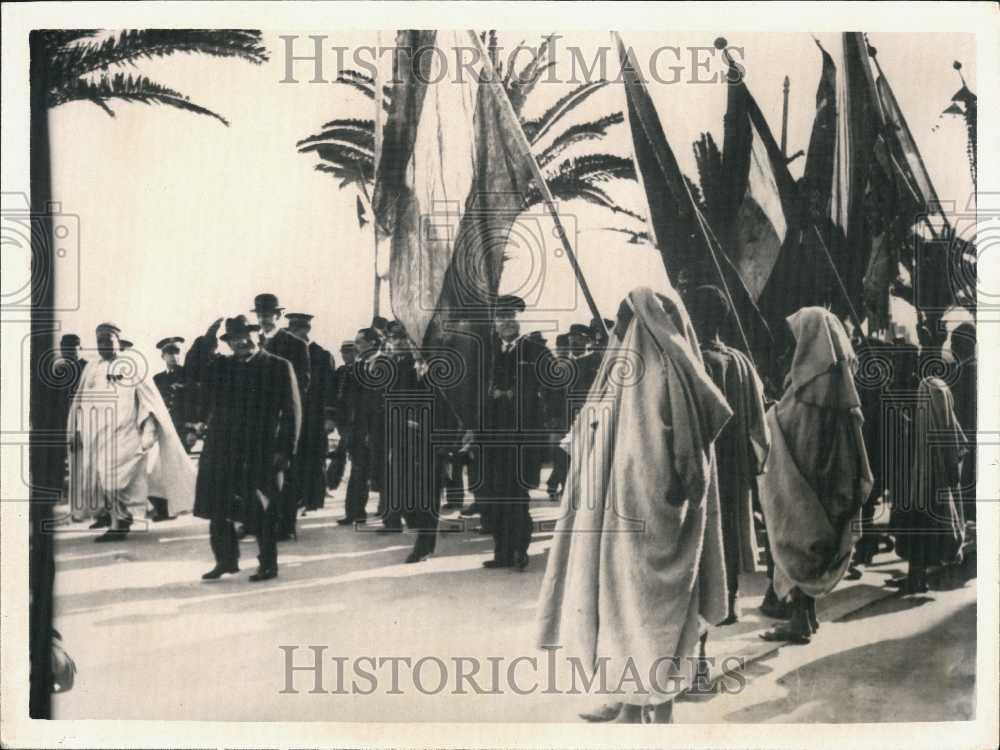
column 308, row 477
column 252, row 434
column 513, row 420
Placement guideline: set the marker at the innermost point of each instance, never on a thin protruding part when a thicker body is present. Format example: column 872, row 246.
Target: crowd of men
column 264, row 431
column 791, row 477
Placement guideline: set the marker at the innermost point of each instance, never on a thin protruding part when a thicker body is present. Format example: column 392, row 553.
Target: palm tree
column 346, row 147
column 65, row 66
column 78, row 63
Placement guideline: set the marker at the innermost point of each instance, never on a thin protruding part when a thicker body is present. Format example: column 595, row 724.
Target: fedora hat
column 238, row 326
column 266, row 303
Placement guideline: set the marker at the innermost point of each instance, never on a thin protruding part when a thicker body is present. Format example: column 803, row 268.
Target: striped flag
column 760, row 193
column 450, row 184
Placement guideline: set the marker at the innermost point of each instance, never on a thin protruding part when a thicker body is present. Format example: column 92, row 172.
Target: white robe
column 104, row 424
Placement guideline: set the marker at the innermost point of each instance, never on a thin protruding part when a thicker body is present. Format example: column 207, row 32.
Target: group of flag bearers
column 738, row 400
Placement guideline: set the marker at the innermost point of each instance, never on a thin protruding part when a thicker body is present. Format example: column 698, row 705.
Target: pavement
column 151, row 640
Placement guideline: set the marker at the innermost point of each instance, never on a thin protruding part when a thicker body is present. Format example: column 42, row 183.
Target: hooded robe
column 636, row 562
column 817, row 475
column 930, row 527
column 105, row 418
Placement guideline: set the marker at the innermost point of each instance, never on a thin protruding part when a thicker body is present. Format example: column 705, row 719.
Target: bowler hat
column 348, row 345
column 510, row 303
column 109, row 327
column 69, row 339
column 579, row 329
column 238, row 326
column 266, row 303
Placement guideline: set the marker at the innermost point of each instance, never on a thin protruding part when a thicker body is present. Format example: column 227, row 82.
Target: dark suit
column 255, row 416
column 66, row 376
column 288, row 346
column 171, row 384
column 319, row 406
column 362, row 422
column 509, row 467
column 572, row 378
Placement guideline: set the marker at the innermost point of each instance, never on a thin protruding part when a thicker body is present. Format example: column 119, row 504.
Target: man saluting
column 253, row 430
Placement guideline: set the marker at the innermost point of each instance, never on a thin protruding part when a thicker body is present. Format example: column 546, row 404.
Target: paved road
column 152, row 641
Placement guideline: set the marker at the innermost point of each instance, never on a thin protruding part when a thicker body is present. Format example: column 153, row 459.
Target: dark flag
column 451, row 182
column 676, row 225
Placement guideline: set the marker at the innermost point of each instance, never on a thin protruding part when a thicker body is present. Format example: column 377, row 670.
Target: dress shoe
column 605, row 712
column 102, row 522
column 496, row 564
column 112, row 535
column 218, row 571
column 521, row 561
column 472, row 510
column 415, row 557
column 345, row 521
column 264, row 574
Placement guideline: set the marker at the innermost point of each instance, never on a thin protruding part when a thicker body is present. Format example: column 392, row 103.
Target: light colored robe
column 817, row 475
column 104, row 423
column 636, row 564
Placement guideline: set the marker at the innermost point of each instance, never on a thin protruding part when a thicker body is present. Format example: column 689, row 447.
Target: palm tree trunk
column 41, row 568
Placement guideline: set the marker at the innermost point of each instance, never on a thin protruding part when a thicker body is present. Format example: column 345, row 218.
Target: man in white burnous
column 122, row 442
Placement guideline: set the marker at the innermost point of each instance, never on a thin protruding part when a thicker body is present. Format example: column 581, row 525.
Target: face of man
column 363, row 344
column 108, row 344
column 268, row 320
column 172, row 359
column 242, row 346
column 349, row 356
column 398, row 343
column 577, row 343
column 507, row 326
column 301, row 330
column 70, row 353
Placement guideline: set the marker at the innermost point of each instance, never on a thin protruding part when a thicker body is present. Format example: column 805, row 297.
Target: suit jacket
column 319, row 403
column 255, row 414
column 288, row 346
column 171, row 387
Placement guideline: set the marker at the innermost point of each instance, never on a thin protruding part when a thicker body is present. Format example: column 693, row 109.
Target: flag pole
column 840, row 282
column 377, row 154
column 514, row 124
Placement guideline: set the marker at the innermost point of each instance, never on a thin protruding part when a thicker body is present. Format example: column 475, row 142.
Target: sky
column 183, row 220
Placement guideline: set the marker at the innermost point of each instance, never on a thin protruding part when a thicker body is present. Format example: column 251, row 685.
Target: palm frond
column 597, row 168
column 536, row 129
column 520, row 87
column 70, row 61
column 127, row 88
column 586, row 131
column 357, row 133
column 345, row 157
column 365, row 84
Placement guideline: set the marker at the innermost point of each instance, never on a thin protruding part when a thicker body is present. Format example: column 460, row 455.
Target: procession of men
column 786, row 482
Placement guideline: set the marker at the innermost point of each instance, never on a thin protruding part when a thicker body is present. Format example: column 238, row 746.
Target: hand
column 147, row 436
column 281, row 461
column 213, row 329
